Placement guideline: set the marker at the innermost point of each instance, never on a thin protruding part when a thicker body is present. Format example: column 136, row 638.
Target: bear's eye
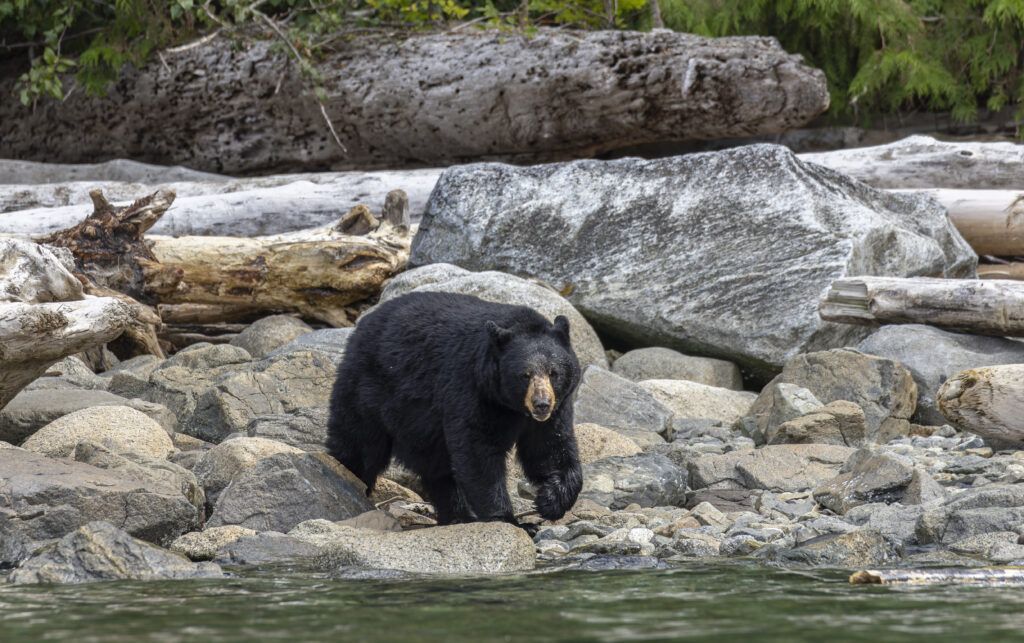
column 526, row 376
column 555, row 374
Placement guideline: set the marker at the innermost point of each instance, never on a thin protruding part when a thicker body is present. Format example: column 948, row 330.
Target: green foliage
column 886, row 55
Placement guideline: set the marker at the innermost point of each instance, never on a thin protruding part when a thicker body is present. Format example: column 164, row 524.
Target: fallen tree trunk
column 991, row 221
column 982, row 307
column 235, row 207
column 988, row 401
column 44, row 315
column 923, row 162
column 122, row 170
column 1013, row 271
column 425, row 99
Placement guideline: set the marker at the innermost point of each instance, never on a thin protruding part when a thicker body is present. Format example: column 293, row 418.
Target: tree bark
column 988, row 401
column 232, row 207
column 429, row 99
column 982, row 307
column 923, row 162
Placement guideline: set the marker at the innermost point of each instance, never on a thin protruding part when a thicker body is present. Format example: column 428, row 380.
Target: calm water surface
column 725, row 602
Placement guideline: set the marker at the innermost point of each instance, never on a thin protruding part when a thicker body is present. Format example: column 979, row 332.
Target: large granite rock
column 217, row 467
column 724, row 254
column 932, row 356
column 866, row 477
column 282, row 490
column 305, row 428
column 782, row 467
column 646, row 479
column 473, row 548
column 659, row 363
column 694, row 401
column 266, row 335
column 617, row 403
column 48, row 498
column 502, row 288
column 119, row 428
column 31, row 410
column 884, row 389
column 100, row 551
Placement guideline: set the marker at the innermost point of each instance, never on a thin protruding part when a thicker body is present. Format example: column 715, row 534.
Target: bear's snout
column 540, row 398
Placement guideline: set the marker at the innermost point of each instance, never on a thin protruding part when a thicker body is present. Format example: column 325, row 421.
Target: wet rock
column 672, row 276
column 980, row 544
column 839, row 422
column 217, row 467
column 375, row 520
column 896, row 522
column 204, row 545
column 616, row 403
column 472, row 548
column 975, row 511
column 282, row 490
column 30, row 411
column 881, row 387
column 693, row 401
column 932, row 356
column 266, row 335
column 657, row 363
column 777, row 404
column 647, row 479
column 863, row 547
column 99, row 551
column 867, row 477
column 265, row 548
column 782, row 467
column 607, row 562
column 502, row 288
column 119, row 428
column 305, row 429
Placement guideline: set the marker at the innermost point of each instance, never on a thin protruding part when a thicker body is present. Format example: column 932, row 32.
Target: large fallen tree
column 987, row 401
column 982, row 307
column 424, row 99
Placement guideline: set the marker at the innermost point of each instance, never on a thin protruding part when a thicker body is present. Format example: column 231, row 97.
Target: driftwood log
column 323, row 273
column 982, row 307
column 45, row 316
column 425, row 99
column 228, row 207
column 1013, row 270
column 988, row 401
column 923, row 162
column 991, row 221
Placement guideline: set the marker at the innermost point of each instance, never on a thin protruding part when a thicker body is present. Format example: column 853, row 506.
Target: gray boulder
column 304, row 428
column 860, row 548
column 282, row 490
column 266, row 548
column 839, row 422
column 266, row 335
column 646, row 479
column 881, row 387
column 932, row 356
column 781, row 467
column 694, row 401
column 217, row 467
column 658, row 363
column 31, row 410
column 472, row 548
column 119, row 428
column 867, row 477
column 99, row 551
column 50, row 498
column 724, row 254
column 977, row 511
column 617, row 403
column 328, row 341
column 778, row 403
column 502, row 288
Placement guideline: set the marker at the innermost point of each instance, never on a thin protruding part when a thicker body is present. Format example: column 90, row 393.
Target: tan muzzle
column 540, row 398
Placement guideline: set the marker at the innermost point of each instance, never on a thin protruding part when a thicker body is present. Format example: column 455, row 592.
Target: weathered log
column 425, row 99
column 988, row 401
column 923, row 162
column 982, row 307
column 44, row 315
column 322, row 274
column 991, row 221
column 933, row 576
column 235, row 207
column 122, row 170
column 1013, row 270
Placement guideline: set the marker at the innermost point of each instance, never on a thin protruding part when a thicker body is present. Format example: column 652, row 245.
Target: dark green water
column 699, row 603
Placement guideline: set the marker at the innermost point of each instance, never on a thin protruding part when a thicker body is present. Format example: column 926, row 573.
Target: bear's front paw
column 551, row 501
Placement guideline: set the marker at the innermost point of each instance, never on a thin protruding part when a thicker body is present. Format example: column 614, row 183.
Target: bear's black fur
column 448, row 384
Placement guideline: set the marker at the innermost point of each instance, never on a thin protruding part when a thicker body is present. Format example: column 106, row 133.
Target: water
column 722, row 602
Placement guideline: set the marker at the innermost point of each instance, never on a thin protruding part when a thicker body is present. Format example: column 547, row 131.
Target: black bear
column 448, row 384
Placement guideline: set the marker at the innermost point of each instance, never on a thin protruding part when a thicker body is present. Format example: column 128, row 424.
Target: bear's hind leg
column 362, row 447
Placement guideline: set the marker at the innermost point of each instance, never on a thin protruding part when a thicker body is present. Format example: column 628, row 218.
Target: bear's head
column 537, row 368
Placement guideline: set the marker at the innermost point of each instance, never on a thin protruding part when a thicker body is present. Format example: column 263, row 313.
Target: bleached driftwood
column 983, row 307
column 991, row 221
column 988, row 401
column 1013, row 270
column 232, row 207
column 923, row 162
column 44, row 315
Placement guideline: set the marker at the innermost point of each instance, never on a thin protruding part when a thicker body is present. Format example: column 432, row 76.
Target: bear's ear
column 499, row 336
column 562, row 326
